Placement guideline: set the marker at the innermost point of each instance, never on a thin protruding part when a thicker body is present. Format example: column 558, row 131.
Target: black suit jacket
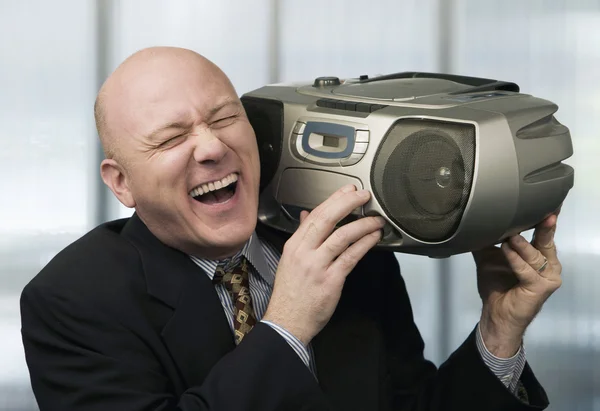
column 119, row 321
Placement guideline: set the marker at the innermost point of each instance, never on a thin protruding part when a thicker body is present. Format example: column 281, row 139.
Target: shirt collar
column 252, row 250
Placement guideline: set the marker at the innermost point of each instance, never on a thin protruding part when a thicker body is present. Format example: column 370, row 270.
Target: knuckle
column 347, row 260
column 548, row 245
column 311, row 229
column 558, row 267
column 554, row 285
column 521, row 267
column 538, row 260
column 340, row 236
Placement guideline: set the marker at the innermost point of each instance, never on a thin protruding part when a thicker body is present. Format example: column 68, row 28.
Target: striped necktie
column 237, row 283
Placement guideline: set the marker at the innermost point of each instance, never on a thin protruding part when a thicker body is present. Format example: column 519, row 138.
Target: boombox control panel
column 326, row 143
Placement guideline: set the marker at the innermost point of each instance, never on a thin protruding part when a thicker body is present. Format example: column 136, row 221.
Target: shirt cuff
column 295, row 343
column 508, row 370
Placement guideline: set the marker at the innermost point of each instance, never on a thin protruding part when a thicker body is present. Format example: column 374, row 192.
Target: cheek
column 160, row 177
column 248, row 145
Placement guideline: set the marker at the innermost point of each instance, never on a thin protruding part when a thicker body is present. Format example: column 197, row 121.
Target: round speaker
column 422, row 175
column 432, row 173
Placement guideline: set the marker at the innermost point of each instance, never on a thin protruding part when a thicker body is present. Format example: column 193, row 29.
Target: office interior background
column 54, row 55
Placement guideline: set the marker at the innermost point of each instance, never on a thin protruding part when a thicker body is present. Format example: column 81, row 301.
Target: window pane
column 47, row 78
column 551, row 50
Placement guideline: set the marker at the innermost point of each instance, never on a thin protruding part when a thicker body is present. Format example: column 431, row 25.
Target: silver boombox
column 453, row 163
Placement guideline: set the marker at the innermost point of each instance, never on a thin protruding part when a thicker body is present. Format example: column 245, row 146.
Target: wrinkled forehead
column 165, row 91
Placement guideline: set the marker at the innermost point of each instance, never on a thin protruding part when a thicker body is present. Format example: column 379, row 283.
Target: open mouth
column 216, row 192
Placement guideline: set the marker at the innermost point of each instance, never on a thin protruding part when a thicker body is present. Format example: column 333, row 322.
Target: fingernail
column 349, row 188
column 380, row 220
column 363, row 193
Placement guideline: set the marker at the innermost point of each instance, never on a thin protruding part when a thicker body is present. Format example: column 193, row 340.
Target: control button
column 364, row 77
column 375, row 107
column 362, row 136
column 340, row 105
column 351, row 106
column 326, row 82
column 326, row 102
column 350, row 161
column 294, row 147
column 299, row 128
column 363, row 107
column 311, row 158
column 360, row 148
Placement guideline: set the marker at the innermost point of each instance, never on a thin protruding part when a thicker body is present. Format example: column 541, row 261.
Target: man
column 192, row 305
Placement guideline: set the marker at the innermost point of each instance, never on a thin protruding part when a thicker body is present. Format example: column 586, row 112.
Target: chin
column 235, row 233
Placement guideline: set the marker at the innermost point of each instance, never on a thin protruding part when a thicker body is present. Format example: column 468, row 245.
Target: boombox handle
column 477, row 84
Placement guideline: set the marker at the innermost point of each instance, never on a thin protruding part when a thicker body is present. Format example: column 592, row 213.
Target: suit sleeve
column 462, row 382
column 81, row 360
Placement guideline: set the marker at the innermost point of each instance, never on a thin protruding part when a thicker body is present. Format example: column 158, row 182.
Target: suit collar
column 252, row 250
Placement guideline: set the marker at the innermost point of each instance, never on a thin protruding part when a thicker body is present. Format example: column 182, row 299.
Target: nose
column 209, row 149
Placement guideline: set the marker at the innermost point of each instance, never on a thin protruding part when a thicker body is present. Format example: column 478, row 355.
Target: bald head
column 171, row 123
column 139, row 82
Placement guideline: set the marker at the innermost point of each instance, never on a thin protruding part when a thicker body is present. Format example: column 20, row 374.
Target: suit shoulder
column 96, row 263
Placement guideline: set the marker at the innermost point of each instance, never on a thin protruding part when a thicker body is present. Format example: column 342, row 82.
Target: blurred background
column 54, row 55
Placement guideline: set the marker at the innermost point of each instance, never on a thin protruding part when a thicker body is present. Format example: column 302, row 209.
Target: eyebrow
column 180, row 125
column 221, row 106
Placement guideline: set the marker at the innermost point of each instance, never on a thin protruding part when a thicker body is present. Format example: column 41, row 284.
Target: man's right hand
column 316, row 260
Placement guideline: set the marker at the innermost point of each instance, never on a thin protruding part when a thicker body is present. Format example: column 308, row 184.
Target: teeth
column 214, row 185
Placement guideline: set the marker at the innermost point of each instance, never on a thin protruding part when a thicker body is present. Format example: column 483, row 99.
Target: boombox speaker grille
column 266, row 118
column 422, row 176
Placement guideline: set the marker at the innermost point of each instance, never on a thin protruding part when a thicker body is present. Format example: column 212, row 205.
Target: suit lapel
column 347, row 351
column 197, row 334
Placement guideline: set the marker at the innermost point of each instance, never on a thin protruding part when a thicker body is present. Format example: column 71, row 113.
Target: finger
column 346, row 261
column 483, row 254
column 322, row 220
column 341, row 238
column 338, row 193
column 302, row 229
column 303, row 215
column 523, row 271
column 543, row 238
column 527, row 252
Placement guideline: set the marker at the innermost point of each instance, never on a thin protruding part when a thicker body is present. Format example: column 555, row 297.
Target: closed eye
column 224, row 122
column 171, row 141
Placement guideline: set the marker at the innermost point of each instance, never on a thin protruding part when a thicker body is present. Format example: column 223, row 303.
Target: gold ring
column 543, row 267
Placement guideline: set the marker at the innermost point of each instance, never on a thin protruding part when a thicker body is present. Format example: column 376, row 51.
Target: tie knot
column 232, row 273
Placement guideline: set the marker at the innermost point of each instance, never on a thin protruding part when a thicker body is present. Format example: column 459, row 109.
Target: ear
column 114, row 177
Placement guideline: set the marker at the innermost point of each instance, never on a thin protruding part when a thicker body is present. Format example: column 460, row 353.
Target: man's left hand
column 514, row 281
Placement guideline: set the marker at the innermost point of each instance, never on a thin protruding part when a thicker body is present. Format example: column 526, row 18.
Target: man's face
column 190, row 157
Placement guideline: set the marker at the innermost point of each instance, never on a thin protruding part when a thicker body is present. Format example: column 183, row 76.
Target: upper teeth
column 214, row 185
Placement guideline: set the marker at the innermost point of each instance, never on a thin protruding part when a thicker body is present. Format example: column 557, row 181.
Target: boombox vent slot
column 349, row 105
column 422, row 176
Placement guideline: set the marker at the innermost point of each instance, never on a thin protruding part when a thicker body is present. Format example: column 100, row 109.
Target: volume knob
column 326, row 81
